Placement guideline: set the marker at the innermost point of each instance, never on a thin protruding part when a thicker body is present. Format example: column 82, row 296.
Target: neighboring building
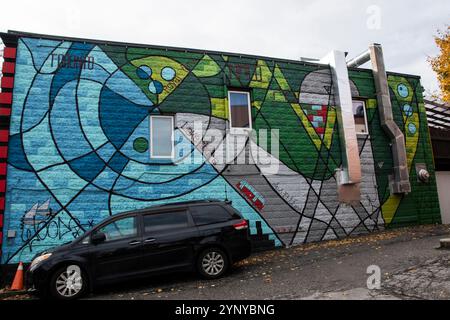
column 92, row 128
column 438, row 115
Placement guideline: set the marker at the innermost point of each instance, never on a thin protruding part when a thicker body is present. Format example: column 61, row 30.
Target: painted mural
column 80, row 138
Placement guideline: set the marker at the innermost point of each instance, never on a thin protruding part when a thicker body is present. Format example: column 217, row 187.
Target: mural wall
column 79, row 141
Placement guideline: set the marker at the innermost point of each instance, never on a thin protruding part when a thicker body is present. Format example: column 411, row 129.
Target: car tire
column 68, row 283
column 212, row 263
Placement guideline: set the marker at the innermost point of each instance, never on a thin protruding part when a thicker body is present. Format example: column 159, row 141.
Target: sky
column 282, row 29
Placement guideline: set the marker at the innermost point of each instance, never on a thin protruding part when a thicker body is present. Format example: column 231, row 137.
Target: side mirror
column 98, row 237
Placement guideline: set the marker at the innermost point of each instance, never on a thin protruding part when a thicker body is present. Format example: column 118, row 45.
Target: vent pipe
column 359, row 60
column 399, row 181
column 349, row 175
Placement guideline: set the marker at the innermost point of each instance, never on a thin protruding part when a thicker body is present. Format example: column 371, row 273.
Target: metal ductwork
column 399, row 182
column 349, row 175
column 359, row 60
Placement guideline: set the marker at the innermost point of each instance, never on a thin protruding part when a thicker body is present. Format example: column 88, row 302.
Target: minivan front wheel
column 212, row 263
column 68, row 282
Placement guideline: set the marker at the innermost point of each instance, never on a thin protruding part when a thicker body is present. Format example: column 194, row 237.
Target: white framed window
column 360, row 116
column 239, row 110
column 162, row 137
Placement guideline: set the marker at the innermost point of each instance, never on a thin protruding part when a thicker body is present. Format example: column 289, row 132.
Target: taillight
column 241, row 225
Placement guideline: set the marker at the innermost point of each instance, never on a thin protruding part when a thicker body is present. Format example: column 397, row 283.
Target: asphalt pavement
column 410, row 265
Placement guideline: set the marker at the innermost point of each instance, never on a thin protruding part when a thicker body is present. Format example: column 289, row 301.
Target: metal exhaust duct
column 399, row 182
column 359, row 60
column 349, row 175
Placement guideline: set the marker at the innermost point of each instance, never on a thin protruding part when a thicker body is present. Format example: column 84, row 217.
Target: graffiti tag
column 40, row 224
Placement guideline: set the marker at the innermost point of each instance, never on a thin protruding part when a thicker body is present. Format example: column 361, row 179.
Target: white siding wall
column 443, row 184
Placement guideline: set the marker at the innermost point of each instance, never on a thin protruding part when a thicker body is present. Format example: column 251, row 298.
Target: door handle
column 134, row 243
column 150, row 240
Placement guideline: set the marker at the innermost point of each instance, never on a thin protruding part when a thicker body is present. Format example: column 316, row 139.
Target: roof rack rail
column 191, row 202
column 229, row 202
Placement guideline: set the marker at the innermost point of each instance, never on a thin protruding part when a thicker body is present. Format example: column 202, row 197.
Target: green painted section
column 275, row 89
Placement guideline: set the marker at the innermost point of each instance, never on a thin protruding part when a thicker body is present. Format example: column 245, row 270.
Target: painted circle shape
column 155, row 87
column 403, row 90
column 140, row 145
column 412, row 128
column 167, row 73
column 408, row 110
column 144, row 72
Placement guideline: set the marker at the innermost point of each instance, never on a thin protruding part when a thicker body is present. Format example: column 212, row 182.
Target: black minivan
column 207, row 236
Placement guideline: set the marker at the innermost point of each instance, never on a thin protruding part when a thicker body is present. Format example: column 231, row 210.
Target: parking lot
column 411, row 267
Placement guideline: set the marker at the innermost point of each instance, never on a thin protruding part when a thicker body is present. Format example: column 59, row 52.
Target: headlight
column 39, row 259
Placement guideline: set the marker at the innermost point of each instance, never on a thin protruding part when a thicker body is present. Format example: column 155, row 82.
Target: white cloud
column 283, row 28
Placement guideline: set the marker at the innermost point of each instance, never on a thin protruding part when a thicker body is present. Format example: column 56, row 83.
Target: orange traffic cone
column 18, row 279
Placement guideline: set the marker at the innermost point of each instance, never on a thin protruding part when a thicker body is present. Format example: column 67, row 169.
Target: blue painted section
column 168, row 73
column 124, row 86
column 88, row 167
column 141, row 131
column 118, row 162
column 23, row 192
column 41, row 50
column 64, row 123
column 65, row 75
column 106, row 152
column 89, row 206
column 71, row 143
column 18, row 157
column 39, row 147
column 144, row 72
column 36, row 106
column 24, row 82
column 98, row 75
column 119, row 116
column 106, row 179
column 88, row 97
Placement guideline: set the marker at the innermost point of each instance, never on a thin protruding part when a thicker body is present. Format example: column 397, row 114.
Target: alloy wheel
column 69, row 282
column 213, row 263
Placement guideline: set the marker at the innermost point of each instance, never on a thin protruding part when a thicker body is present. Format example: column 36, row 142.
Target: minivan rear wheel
column 68, row 283
column 212, row 263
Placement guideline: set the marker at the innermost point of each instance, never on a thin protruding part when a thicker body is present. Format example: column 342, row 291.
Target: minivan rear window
column 165, row 221
column 209, row 214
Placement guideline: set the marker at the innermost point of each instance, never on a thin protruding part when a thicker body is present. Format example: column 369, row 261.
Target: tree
column 441, row 63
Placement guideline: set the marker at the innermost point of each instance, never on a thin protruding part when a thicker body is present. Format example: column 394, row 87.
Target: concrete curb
column 445, row 244
column 8, row 294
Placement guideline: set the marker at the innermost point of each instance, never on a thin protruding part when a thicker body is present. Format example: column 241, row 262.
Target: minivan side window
column 120, row 229
column 209, row 214
column 165, row 221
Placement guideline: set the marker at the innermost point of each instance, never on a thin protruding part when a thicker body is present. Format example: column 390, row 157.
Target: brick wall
column 79, row 143
column 7, row 84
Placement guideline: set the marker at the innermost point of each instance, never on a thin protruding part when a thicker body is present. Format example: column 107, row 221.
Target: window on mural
column 162, row 137
column 359, row 113
column 239, row 109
